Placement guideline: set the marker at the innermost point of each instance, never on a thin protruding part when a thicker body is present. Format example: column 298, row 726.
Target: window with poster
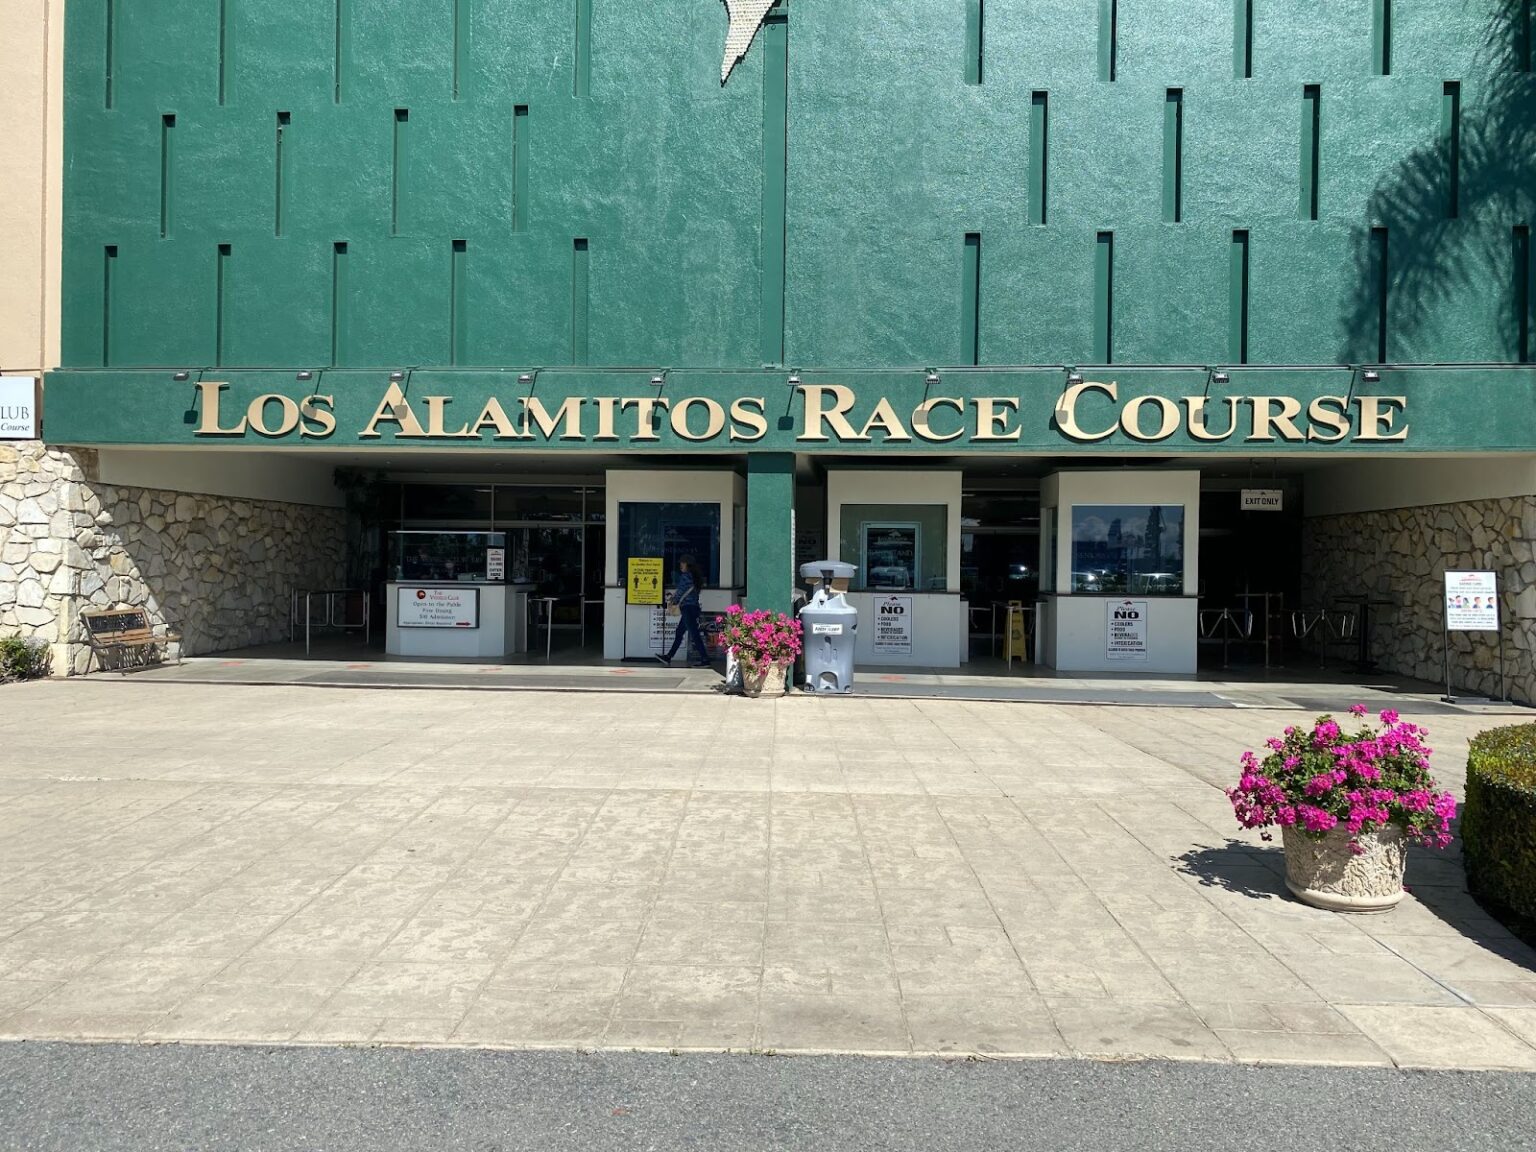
column 672, row 530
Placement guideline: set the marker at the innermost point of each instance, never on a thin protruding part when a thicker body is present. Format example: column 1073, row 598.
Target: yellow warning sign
column 644, row 585
column 1017, row 646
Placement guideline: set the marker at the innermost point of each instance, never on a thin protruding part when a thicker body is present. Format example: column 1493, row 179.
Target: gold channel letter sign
column 1089, row 412
column 644, row 585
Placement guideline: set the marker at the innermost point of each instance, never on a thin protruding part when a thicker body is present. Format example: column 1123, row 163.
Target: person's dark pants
column 689, row 625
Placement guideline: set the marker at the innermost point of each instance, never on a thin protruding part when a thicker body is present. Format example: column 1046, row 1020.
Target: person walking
column 685, row 598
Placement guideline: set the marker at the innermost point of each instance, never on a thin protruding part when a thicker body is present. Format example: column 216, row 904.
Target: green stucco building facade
column 898, row 287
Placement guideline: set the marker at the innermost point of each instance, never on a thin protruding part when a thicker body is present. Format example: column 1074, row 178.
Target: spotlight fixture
column 931, row 379
column 794, row 380
column 658, row 381
column 525, row 378
column 182, row 377
column 1074, row 376
column 305, row 375
column 1370, row 376
column 396, row 377
column 1220, row 377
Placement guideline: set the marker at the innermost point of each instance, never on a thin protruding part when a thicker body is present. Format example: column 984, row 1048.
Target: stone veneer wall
column 216, row 569
column 1402, row 553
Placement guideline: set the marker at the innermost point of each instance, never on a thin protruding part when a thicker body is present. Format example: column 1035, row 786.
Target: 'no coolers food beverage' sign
column 1126, row 634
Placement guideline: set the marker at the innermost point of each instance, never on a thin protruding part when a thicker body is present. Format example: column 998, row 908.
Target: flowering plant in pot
column 764, row 643
column 1347, row 804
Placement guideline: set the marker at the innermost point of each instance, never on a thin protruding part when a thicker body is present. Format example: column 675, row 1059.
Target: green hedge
column 1498, row 820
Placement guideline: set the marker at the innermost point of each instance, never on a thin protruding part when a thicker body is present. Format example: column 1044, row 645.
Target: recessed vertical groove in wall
column 1383, row 278
column 108, row 275
column 1381, row 37
column 167, row 171
column 1039, row 154
column 280, row 163
column 1173, row 156
column 223, row 49
column 336, row 48
column 581, row 81
column 1242, row 39
column 221, row 299
column 520, row 168
column 970, row 300
column 775, row 45
column 338, row 302
column 581, row 299
column 1104, row 299
column 1521, row 296
column 1237, row 324
column 1523, row 35
column 1109, row 39
column 460, row 44
column 402, row 119
column 1311, row 149
column 458, row 304
column 975, row 22
column 1450, row 125
column 111, row 53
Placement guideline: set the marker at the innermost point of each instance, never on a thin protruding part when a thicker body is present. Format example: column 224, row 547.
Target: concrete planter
column 763, row 680
column 1324, row 873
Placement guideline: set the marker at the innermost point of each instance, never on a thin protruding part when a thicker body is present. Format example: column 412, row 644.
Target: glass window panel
column 1128, row 549
column 448, row 502
column 537, row 503
column 671, row 531
column 896, row 545
column 442, row 555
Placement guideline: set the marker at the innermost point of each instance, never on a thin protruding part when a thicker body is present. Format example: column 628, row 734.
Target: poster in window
column 890, row 555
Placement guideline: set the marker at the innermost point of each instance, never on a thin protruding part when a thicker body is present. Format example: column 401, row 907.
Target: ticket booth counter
column 450, row 598
column 902, row 530
column 1119, row 559
column 658, row 517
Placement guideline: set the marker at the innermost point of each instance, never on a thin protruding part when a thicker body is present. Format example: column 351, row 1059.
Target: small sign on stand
column 1471, row 605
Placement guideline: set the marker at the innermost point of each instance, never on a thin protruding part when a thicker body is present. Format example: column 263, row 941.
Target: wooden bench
column 124, row 632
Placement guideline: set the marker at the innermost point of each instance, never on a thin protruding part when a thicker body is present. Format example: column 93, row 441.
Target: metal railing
column 329, row 609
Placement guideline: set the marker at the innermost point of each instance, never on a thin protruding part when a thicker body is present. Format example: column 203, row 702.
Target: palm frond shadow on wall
column 1432, row 258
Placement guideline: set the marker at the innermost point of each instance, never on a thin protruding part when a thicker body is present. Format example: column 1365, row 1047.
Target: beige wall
column 31, row 151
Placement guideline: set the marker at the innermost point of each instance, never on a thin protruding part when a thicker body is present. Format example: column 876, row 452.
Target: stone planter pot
column 763, row 680
column 1324, row 873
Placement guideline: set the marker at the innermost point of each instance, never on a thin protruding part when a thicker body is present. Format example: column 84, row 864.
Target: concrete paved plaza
column 301, row 864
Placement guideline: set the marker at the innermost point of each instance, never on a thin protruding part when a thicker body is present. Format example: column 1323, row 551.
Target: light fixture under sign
column 1370, row 376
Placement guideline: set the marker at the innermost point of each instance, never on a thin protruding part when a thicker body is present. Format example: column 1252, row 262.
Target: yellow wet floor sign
column 644, row 585
column 1018, row 633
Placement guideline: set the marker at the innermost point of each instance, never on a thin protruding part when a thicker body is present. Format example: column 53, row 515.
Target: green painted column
column 770, row 530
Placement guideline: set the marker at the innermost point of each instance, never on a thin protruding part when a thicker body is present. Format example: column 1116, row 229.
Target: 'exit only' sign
column 1263, row 499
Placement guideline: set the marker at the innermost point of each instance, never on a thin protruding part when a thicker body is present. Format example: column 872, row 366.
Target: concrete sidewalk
column 211, row 862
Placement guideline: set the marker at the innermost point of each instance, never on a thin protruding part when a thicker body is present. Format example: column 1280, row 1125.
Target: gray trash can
column 830, row 626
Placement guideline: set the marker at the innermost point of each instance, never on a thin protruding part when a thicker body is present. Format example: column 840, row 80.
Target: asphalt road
column 108, row 1097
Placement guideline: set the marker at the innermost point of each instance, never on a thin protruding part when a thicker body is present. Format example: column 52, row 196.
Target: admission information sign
column 893, row 626
column 1471, row 602
column 438, row 607
column 495, row 563
column 1126, row 630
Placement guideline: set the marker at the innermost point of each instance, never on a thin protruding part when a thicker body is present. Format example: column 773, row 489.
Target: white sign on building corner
column 893, row 626
column 1471, row 601
column 18, row 408
column 1125, row 636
